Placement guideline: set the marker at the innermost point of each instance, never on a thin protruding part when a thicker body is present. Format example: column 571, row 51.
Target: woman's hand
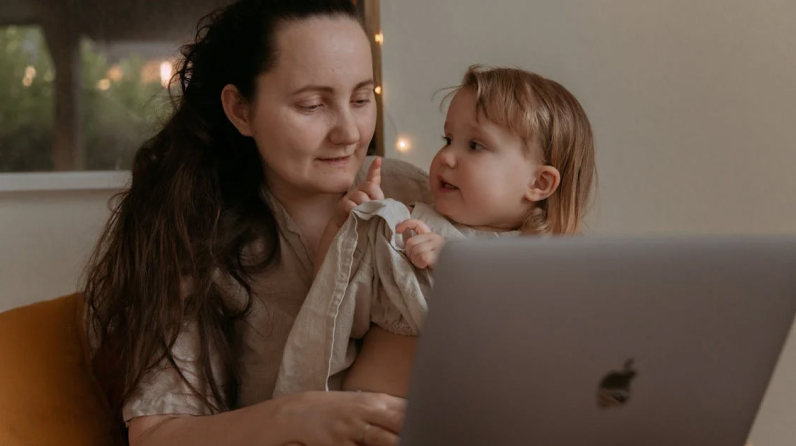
column 424, row 247
column 304, row 419
column 344, row 418
column 368, row 190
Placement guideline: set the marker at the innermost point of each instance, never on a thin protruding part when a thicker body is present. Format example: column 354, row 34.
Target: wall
column 693, row 106
column 692, row 102
column 45, row 237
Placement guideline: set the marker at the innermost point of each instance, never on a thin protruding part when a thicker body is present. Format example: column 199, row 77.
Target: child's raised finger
column 358, row 197
column 373, row 190
column 374, row 172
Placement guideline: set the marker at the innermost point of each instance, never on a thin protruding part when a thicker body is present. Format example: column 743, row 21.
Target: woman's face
column 314, row 114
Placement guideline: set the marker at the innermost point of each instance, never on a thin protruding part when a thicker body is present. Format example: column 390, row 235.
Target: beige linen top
column 278, row 295
column 365, row 279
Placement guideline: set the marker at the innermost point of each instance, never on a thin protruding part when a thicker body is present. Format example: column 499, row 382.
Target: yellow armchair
column 48, row 394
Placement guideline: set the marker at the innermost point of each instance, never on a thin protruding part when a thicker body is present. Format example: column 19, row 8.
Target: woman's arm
column 240, row 427
column 311, row 418
column 384, row 363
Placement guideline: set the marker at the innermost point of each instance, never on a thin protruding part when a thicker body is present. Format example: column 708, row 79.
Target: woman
column 206, row 260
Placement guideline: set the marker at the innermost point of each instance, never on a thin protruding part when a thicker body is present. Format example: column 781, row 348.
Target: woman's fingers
column 386, row 412
column 376, row 436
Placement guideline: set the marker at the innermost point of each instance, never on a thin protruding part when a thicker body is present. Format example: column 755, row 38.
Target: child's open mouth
column 445, row 186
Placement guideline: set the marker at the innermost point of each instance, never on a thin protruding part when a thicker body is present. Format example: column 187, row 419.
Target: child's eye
column 447, row 140
column 476, row 146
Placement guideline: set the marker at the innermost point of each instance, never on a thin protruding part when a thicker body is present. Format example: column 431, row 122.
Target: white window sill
column 60, row 181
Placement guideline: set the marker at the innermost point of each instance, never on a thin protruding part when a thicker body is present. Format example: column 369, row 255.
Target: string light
column 403, row 145
column 379, row 38
column 165, row 73
column 115, row 73
column 104, row 84
column 377, row 90
column 30, row 73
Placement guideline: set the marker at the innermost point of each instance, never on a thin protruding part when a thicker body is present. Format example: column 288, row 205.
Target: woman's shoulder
column 400, row 180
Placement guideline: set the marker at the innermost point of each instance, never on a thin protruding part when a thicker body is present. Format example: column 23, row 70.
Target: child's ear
column 237, row 109
column 545, row 182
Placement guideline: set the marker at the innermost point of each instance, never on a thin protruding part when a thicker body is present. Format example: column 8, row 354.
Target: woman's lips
column 338, row 161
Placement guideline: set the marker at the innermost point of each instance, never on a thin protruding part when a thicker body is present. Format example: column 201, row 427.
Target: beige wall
column 693, row 105
column 45, row 237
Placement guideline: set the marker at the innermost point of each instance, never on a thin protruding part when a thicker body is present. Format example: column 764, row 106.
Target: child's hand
column 424, row 247
column 368, row 190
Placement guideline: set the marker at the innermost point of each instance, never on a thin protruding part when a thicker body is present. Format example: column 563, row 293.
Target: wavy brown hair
column 192, row 210
column 542, row 112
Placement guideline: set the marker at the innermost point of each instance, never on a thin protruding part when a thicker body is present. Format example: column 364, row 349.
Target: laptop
column 600, row 342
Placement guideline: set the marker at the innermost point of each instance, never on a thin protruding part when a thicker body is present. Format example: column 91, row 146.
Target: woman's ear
column 237, row 109
column 544, row 184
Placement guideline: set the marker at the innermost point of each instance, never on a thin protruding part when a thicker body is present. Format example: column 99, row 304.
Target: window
column 83, row 84
column 120, row 101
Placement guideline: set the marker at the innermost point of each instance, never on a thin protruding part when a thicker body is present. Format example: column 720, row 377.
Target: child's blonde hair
column 541, row 111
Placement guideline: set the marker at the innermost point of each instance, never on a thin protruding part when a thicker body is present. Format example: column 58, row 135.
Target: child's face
column 484, row 175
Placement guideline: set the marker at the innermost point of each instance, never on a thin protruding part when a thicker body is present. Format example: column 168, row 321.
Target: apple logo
column 614, row 389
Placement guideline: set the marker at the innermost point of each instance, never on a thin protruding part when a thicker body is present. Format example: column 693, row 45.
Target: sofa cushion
column 48, row 395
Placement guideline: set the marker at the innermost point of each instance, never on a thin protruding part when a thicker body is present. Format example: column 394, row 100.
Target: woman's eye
column 362, row 102
column 447, row 140
column 310, row 107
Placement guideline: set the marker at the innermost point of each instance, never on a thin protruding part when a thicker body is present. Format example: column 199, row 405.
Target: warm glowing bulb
column 30, row 73
column 377, row 90
column 403, row 145
column 115, row 73
column 104, row 84
column 379, row 38
column 165, row 73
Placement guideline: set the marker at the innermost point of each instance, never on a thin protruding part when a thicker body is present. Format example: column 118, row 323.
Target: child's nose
column 447, row 157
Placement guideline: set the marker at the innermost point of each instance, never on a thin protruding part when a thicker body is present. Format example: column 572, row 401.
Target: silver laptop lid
column 601, row 342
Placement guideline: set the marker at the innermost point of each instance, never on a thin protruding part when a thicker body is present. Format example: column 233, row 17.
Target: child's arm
column 384, row 363
column 370, row 189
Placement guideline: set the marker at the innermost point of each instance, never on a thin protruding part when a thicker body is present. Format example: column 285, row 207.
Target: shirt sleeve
column 163, row 392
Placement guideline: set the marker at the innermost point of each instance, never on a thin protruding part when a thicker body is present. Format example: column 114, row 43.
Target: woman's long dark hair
column 193, row 207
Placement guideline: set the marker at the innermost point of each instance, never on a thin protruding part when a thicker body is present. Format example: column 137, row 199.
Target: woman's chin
column 334, row 184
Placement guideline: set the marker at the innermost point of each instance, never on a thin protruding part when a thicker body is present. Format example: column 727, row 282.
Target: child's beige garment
column 364, row 278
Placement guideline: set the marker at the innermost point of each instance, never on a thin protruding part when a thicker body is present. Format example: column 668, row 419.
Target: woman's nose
column 345, row 131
